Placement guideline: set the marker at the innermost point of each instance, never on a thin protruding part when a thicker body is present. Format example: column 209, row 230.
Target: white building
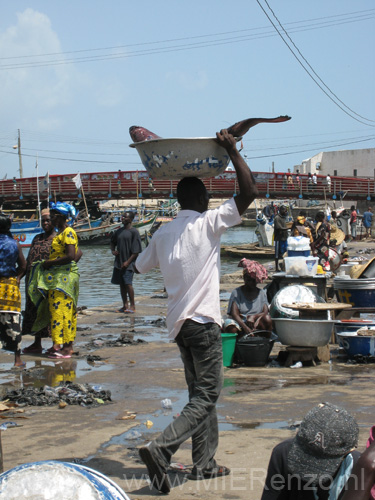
column 349, row 163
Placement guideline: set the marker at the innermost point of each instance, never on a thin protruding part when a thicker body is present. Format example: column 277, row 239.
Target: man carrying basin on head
column 187, row 250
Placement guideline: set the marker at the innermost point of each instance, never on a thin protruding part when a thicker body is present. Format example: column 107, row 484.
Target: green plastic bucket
column 229, row 343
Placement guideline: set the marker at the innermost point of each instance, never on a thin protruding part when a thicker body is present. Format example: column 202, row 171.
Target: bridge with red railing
column 100, row 186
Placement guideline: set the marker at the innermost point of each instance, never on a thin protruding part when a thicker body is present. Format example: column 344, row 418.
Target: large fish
column 239, row 129
column 139, row 134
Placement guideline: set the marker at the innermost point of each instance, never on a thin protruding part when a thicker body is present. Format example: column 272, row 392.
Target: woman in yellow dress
column 54, row 284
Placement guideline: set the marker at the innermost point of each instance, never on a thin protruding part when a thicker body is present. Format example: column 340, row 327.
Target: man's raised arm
column 248, row 190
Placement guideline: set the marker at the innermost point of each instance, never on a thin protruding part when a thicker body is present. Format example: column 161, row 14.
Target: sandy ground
column 257, row 409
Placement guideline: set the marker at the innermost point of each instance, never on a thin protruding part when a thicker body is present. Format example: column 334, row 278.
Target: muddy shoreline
column 257, row 409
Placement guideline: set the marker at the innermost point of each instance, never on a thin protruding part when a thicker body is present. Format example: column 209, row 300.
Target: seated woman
column 248, row 304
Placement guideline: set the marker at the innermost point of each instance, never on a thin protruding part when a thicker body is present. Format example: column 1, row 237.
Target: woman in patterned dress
column 54, row 284
column 39, row 250
column 12, row 266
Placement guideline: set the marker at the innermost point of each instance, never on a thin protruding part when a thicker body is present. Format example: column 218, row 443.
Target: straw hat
column 357, row 270
column 337, row 234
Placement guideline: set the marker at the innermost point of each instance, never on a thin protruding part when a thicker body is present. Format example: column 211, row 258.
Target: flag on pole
column 44, row 183
column 77, row 181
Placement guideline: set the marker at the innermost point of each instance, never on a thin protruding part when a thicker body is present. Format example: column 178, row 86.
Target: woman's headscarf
column 63, row 209
column 254, row 270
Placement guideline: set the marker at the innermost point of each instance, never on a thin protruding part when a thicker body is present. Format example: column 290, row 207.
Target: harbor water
column 96, row 267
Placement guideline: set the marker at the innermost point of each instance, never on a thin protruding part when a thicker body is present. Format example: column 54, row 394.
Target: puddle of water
column 252, row 384
column 150, row 328
column 160, row 418
column 225, row 296
column 43, row 372
column 281, row 424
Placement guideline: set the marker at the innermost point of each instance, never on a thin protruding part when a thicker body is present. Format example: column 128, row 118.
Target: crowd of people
column 323, row 234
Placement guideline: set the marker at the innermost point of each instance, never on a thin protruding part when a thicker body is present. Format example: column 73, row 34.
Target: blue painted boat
column 25, row 236
column 24, row 225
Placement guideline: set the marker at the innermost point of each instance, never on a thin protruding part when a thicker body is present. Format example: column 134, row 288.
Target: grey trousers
column 201, row 352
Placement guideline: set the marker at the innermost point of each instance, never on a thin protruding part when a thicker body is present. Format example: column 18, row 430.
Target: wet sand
column 257, row 409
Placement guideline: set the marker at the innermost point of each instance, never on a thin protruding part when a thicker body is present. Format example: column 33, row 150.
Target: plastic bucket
column 254, row 351
column 229, row 343
column 58, row 480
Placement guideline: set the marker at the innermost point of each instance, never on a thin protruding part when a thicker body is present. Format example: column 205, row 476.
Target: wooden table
column 316, row 310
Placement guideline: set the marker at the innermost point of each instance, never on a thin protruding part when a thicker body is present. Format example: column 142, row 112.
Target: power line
column 315, row 73
column 312, row 147
column 307, row 150
column 162, row 50
column 116, row 47
column 307, row 71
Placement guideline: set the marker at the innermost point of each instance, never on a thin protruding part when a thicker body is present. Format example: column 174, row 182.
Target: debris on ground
column 361, row 359
column 91, row 358
column 68, row 392
column 121, row 341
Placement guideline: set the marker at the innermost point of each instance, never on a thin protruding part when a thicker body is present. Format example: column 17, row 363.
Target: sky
column 76, row 74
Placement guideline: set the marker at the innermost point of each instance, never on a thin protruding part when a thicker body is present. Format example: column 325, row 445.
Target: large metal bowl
column 303, row 332
column 182, row 157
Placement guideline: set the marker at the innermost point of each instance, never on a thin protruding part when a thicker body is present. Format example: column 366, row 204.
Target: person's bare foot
column 18, row 363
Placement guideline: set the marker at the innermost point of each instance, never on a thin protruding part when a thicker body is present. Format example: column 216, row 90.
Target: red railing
column 128, row 185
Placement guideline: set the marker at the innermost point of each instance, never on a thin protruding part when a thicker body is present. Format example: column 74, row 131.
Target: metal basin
column 182, row 157
column 303, row 332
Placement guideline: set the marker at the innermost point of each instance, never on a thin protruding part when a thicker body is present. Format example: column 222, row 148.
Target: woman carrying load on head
column 248, row 304
column 12, row 267
column 54, row 284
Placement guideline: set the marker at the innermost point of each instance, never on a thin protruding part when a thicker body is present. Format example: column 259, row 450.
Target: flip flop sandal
column 52, row 350
column 19, row 367
column 129, row 311
column 58, row 355
column 218, row 471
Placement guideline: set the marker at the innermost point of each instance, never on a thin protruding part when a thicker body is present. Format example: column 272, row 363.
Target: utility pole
column 19, row 154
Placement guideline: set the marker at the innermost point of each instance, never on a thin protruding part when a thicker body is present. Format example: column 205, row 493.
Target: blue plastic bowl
column 356, row 344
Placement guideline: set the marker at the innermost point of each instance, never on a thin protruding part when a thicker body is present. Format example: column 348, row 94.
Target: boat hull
column 25, row 237
column 102, row 235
